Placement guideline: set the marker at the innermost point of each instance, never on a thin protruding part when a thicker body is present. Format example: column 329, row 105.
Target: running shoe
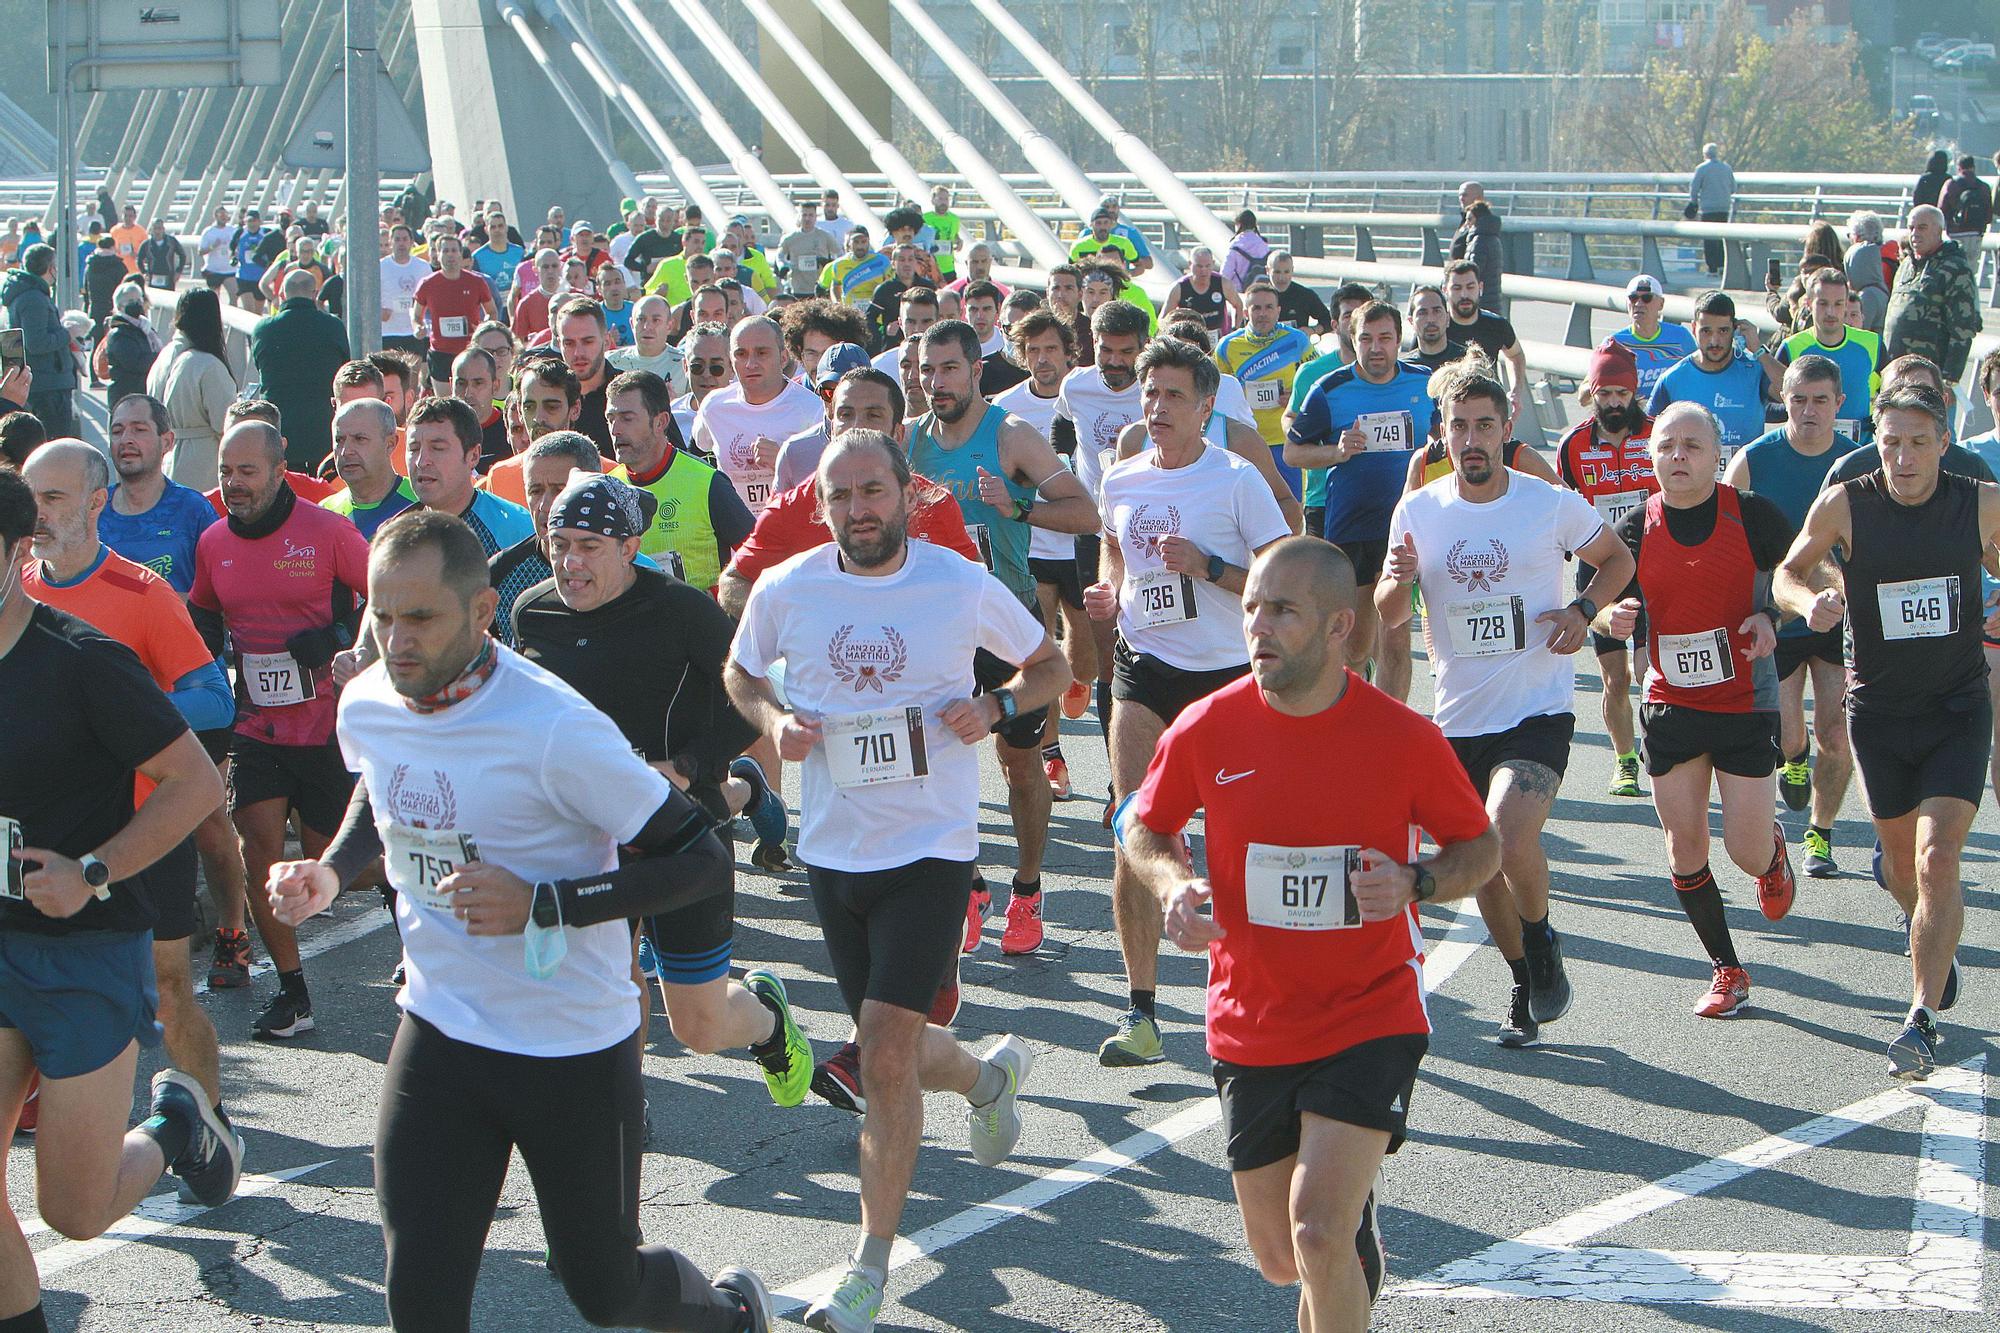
column 213, row 1161
column 1024, row 924
column 1729, row 992
column 287, row 1015
column 1819, row 856
column 400, row 976
column 851, row 1307
column 944, row 1005
column 1795, row 780
column 1913, row 1054
column 1076, row 699
column 837, row 1079
column 975, row 914
column 788, row 1070
column 749, row 1290
column 770, row 858
column 31, row 1109
column 1135, row 1041
column 230, row 967
column 1057, row 769
column 1368, row 1243
column 1625, row 777
column 1549, row 992
column 996, row 1127
column 1776, row 888
column 649, row 958
column 1519, row 1028
column 766, row 810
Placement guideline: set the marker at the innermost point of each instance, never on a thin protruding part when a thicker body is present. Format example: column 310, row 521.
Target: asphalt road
column 1628, row 1090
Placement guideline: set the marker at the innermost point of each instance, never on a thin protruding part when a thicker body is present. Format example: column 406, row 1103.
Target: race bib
column 755, row 487
column 983, row 540
column 273, row 680
column 1159, row 597
column 1612, row 508
column 1690, row 661
column 160, row 282
column 1919, row 608
column 451, row 326
column 1265, row 394
column 1723, row 453
column 864, row 749
column 1849, row 426
column 11, row 841
column 1386, row 431
column 419, row 859
column 1487, row 626
column 1300, row 888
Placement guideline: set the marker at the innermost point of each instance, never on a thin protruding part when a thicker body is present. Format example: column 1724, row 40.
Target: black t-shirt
column 1855, row 464
column 1300, row 307
column 1444, row 356
column 82, row 714
column 315, row 226
column 590, row 421
column 651, row 660
column 333, row 295
column 268, row 249
column 997, row 374
column 649, row 248
column 1765, row 526
column 1494, row 333
column 885, row 306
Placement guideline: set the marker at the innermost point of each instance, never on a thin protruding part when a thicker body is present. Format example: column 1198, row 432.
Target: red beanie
column 1612, row 366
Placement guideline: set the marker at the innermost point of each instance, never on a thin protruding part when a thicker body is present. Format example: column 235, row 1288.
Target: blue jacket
column 32, row 310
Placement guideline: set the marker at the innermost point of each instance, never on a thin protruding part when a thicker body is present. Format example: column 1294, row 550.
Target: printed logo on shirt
column 1147, row 526
column 163, row 565
column 1476, row 568
column 741, row 451
column 1105, row 430
column 420, row 803
column 867, row 664
column 1611, row 476
column 296, row 559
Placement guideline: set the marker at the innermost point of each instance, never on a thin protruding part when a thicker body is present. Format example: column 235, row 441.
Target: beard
column 872, row 552
column 1623, row 420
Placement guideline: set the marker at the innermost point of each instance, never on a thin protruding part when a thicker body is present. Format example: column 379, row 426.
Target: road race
column 1019, row 704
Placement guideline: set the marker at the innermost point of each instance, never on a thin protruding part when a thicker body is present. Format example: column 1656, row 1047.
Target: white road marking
column 160, row 1212
column 1461, row 938
column 1940, row 1271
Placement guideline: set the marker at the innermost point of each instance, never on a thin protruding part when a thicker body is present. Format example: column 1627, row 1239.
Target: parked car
column 1932, row 44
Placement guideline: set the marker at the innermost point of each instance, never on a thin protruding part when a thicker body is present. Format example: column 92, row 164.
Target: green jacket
column 1934, row 308
column 296, row 350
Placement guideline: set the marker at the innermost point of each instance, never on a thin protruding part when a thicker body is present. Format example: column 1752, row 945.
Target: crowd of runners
column 527, row 619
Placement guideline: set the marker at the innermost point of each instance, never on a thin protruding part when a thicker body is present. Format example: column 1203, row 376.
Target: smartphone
column 13, row 351
column 1771, row 272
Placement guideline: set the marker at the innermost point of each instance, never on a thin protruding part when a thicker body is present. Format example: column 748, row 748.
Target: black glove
column 314, row 648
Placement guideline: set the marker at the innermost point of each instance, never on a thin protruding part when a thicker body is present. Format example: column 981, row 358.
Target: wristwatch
column 1009, row 709
column 1588, row 607
column 1216, row 567
column 546, row 912
column 1022, row 508
column 1426, row 886
column 98, row 876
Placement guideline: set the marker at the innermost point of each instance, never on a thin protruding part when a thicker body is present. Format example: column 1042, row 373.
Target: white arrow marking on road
column 160, row 1212
column 1941, row 1271
column 1463, row 936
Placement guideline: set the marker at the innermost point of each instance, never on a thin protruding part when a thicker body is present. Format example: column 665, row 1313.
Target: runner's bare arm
column 1806, row 583
column 1064, row 505
column 1385, row 886
column 1738, row 472
column 1528, row 461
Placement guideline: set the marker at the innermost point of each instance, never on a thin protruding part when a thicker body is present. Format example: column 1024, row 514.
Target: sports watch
column 97, row 875
column 1426, row 886
column 1588, row 607
column 1009, row 709
column 1216, row 568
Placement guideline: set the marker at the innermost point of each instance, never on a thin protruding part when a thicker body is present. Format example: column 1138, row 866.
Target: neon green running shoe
column 788, row 1071
column 1625, row 781
column 1135, row 1041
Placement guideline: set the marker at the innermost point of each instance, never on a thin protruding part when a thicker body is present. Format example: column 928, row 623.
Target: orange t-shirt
column 128, row 239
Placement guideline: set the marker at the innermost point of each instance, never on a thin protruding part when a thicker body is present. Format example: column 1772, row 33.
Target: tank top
column 1697, row 597
column 1913, row 600
column 1002, row 539
column 1209, row 304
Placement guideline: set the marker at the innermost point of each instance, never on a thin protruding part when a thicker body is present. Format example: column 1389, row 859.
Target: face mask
column 543, row 949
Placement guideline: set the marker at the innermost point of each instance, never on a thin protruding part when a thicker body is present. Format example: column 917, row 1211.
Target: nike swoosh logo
column 1223, row 777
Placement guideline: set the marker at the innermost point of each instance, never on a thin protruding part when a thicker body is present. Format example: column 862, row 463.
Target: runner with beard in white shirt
column 1488, row 545
column 1182, row 521
column 877, row 634
column 500, row 799
column 743, row 425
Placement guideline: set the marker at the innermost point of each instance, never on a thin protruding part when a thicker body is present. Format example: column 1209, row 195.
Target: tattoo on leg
column 1534, row 779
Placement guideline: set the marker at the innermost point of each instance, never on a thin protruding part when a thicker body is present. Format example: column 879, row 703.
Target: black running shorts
column 1543, row 739
column 1062, row 575
column 171, row 882
column 990, row 673
column 1906, row 760
column 893, row 935
column 311, row 778
column 1794, row 651
column 1143, row 679
column 1366, row 555
column 1744, row 745
column 1368, row 1085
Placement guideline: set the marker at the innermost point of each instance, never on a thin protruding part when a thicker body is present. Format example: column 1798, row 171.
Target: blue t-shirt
column 1132, row 234
column 1670, row 344
column 620, row 321
column 1792, row 481
column 497, row 523
column 1735, row 394
column 163, row 538
column 1362, row 492
column 498, row 269
column 1986, row 448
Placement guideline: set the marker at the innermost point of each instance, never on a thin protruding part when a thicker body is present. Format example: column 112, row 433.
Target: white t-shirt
column 1231, row 404
column 547, row 787
column 995, row 344
column 1098, row 414
column 669, row 365
column 839, row 227
column 621, row 245
column 215, row 250
column 1022, row 401
column 853, row 645
column 684, row 410
column 1487, row 571
column 399, row 293
column 1218, row 502
column 890, row 361
column 727, row 428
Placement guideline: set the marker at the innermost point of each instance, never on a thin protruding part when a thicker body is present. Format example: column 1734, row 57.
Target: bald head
column 300, row 282
column 72, row 460
column 1686, row 416
column 258, row 437
column 756, row 350
column 1298, row 609
column 68, row 478
column 371, row 415
column 1327, row 572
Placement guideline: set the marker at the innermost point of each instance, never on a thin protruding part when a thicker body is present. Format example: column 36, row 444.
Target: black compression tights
column 450, row 1113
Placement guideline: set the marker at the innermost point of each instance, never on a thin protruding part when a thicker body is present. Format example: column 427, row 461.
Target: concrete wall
column 857, row 80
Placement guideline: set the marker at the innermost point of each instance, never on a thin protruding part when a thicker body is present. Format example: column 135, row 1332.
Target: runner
column 858, row 397
column 1857, row 352
column 1788, row 466
column 1472, row 324
column 1429, row 317
column 1723, row 375
column 874, row 630
column 1704, row 554
column 1181, row 522
column 1489, row 545
column 708, row 368
column 76, row 987
column 519, row 976
column 1207, row 293
column 1986, row 377
column 1911, row 537
column 1654, row 344
column 282, row 581
column 444, row 453
column 1298, row 304
column 1008, row 482
column 1348, row 298
column 742, row 425
column 1607, row 460
column 1265, row 357
column 1360, row 424
column 1316, row 1016
column 364, row 429
column 700, row 518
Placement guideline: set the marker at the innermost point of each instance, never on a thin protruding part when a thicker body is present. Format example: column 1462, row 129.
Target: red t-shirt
column 791, row 523
column 1367, row 772
column 531, row 316
column 452, row 307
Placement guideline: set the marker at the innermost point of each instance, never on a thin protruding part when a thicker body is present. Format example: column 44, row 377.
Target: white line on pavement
column 161, row 1212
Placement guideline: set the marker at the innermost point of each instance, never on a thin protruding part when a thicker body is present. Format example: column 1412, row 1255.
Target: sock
column 1052, row 752
column 1777, row 855
column 1142, row 1000
column 1701, row 899
column 1029, row 889
column 1537, row 934
column 172, row 1133
column 774, row 1043
column 1800, row 757
column 1922, row 1016
column 1826, row 833
column 1519, row 967
column 873, row 1253
column 992, row 1081
column 1628, row 756
column 293, row 983
column 28, row 1321
column 1104, row 709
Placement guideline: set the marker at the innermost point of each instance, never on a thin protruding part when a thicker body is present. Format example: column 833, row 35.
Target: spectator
column 51, row 353
column 1934, row 306
column 296, row 350
column 1865, row 274
column 1931, row 184
column 1791, row 308
column 1967, row 205
column 1478, row 238
column 1711, row 197
column 129, row 347
column 1249, row 254
column 21, row 433
column 194, row 380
